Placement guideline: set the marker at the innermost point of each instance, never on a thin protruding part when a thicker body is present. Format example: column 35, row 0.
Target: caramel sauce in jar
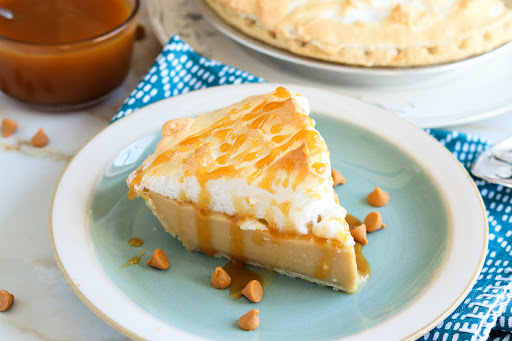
column 63, row 53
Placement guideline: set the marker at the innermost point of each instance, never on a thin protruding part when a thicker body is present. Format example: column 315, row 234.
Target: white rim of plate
column 73, row 250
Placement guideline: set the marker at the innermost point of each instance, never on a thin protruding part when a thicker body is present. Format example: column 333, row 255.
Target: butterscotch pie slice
column 394, row 33
column 253, row 182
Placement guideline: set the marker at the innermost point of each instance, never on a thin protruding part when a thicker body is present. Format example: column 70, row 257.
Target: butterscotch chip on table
column 159, row 260
column 9, row 126
column 253, row 291
column 373, row 222
column 249, row 321
column 337, row 177
column 140, row 32
column 40, row 139
column 359, row 234
column 6, row 300
column 220, row 278
column 252, row 181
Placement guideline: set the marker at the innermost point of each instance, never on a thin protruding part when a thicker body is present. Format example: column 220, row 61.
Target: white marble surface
column 45, row 308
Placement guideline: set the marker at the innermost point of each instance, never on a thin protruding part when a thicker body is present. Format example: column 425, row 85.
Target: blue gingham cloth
column 486, row 313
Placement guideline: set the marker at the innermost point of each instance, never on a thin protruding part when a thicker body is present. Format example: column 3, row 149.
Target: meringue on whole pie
column 396, row 33
column 252, row 182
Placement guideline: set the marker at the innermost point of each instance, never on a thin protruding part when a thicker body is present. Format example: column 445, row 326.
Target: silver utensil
column 6, row 13
column 495, row 164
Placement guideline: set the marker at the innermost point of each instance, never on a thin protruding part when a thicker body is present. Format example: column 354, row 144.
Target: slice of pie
column 253, row 182
column 374, row 32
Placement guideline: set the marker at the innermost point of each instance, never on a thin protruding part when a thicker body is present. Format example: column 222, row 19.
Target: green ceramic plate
column 411, row 259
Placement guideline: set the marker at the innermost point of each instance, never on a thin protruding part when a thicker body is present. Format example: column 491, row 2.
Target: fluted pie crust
column 419, row 33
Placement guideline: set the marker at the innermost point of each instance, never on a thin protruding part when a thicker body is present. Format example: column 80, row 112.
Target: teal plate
column 405, row 258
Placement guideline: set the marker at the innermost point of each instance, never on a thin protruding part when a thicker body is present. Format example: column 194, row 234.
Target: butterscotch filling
column 324, row 261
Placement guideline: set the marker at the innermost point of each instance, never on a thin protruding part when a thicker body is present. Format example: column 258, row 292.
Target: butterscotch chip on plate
column 359, row 234
column 9, row 126
column 249, row 321
column 252, row 181
column 40, row 139
column 6, row 300
column 220, row 278
column 337, row 177
column 159, row 260
column 253, row 291
column 378, row 197
column 373, row 222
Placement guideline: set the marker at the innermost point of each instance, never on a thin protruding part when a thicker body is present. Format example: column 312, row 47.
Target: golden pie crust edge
column 490, row 39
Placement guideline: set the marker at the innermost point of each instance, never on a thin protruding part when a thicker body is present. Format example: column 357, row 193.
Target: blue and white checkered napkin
column 487, row 310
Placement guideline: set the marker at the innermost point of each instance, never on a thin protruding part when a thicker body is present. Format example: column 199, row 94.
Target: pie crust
column 383, row 33
column 252, row 182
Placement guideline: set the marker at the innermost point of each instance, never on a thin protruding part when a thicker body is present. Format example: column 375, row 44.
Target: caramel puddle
column 135, row 242
column 241, row 275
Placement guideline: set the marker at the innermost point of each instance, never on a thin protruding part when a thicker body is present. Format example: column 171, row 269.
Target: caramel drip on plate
column 135, row 242
column 240, row 276
column 363, row 267
column 352, row 221
column 134, row 260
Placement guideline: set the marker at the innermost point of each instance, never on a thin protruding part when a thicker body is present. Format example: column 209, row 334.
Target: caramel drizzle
column 319, row 167
column 204, row 233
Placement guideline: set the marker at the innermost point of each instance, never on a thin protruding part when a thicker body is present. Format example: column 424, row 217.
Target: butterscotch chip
column 359, row 234
column 40, row 139
column 378, row 197
column 373, row 222
column 250, row 321
column 220, row 278
column 253, row 291
column 8, row 127
column 159, row 260
column 337, row 177
column 6, row 300
column 140, row 32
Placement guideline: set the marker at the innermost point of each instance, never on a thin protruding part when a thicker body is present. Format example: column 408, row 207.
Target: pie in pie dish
column 252, row 182
column 397, row 33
